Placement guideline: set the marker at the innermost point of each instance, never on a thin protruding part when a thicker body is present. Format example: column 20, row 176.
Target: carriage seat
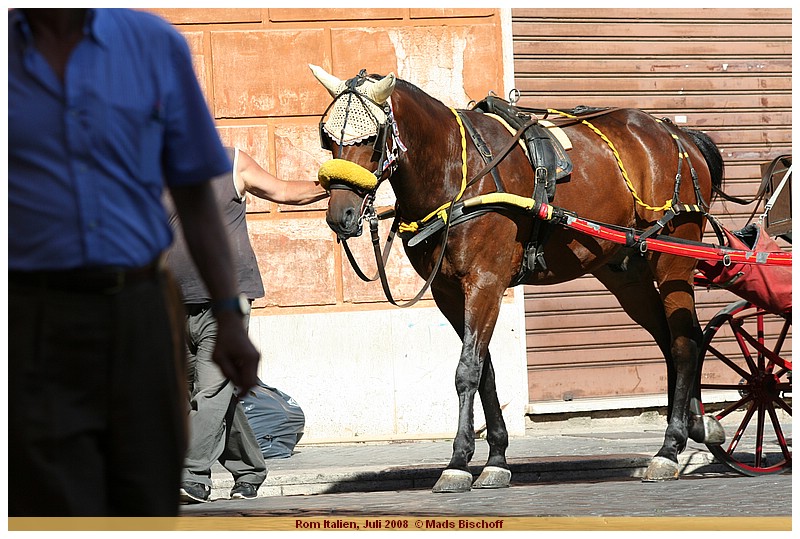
column 546, row 153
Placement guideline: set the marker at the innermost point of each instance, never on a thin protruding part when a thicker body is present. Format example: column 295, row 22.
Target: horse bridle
column 387, row 158
column 388, row 161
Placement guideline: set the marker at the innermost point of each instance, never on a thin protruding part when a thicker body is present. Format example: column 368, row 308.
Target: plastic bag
column 276, row 418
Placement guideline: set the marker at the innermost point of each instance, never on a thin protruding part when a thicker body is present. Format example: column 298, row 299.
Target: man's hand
column 235, row 353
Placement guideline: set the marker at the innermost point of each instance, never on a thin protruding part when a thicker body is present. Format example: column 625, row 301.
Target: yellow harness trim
column 525, row 203
column 441, row 211
column 631, row 188
column 510, row 130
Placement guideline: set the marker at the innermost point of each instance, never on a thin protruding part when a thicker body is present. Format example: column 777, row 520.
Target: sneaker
column 244, row 491
column 194, row 492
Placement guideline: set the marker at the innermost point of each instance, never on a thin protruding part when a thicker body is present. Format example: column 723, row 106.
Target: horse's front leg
column 456, row 477
column 496, row 473
column 475, row 324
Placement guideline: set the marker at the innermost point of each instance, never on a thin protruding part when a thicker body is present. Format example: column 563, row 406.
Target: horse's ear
column 331, row 83
column 382, row 89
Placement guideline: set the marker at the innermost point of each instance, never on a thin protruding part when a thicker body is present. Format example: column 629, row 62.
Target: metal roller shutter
column 724, row 71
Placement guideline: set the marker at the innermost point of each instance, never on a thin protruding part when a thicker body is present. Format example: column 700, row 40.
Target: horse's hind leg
column 668, row 315
column 474, row 319
column 684, row 352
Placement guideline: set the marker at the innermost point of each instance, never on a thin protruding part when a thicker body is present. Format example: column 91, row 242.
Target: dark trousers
column 96, row 400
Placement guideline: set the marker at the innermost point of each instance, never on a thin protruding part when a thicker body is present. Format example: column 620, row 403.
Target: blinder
column 381, row 127
column 326, row 140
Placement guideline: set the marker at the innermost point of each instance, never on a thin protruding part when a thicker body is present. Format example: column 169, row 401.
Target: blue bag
column 276, row 418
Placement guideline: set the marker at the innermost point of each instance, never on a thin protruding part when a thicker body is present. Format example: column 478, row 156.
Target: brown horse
column 393, row 128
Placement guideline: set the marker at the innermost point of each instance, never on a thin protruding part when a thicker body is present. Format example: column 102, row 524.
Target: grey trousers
column 218, row 427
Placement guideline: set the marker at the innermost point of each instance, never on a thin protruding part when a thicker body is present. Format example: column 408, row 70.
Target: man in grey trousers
column 218, row 427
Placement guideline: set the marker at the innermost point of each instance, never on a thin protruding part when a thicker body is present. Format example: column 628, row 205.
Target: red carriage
column 744, row 359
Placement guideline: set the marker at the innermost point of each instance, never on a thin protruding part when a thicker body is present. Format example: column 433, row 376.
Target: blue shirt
column 88, row 158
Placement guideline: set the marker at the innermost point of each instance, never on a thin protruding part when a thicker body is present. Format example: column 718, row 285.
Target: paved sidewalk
column 576, row 449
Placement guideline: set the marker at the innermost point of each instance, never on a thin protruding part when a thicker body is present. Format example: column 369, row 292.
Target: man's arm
column 255, row 180
column 207, row 241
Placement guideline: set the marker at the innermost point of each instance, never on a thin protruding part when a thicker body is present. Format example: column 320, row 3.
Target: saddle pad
column 556, row 131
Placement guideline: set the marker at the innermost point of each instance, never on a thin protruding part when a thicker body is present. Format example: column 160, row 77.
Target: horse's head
column 358, row 129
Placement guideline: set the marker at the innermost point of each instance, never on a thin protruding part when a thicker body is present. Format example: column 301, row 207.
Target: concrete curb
column 330, row 480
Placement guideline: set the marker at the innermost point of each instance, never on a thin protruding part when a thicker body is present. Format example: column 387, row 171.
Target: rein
column 388, row 161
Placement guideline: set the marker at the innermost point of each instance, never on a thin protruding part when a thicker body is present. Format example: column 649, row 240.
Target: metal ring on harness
column 643, row 246
column 726, row 261
column 367, row 211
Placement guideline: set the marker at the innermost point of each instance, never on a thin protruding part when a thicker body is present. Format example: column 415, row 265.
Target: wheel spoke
column 779, row 433
column 782, row 337
column 760, row 435
column 729, row 362
column 720, row 387
column 782, row 403
column 762, row 350
column 742, row 336
column 733, row 407
column 742, row 427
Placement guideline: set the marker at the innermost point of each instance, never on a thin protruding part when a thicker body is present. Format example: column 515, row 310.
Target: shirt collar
column 98, row 25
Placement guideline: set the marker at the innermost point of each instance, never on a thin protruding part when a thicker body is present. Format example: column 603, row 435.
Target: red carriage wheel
column 742, row 365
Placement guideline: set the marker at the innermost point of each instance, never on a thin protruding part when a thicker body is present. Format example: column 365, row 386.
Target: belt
column 193, row 309
column 99, row 280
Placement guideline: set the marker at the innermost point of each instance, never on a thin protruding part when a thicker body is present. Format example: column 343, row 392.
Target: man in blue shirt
column 104, row 112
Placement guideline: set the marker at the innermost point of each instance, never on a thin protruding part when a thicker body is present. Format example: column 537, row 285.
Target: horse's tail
column 713, row 157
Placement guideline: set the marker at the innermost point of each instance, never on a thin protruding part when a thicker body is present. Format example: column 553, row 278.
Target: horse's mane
column 414, row 91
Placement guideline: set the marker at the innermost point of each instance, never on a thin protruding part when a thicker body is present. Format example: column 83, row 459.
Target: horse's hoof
column 661, row 469
column 714, row 433
column 453, row 481
column 493, row 477
column 705, row 429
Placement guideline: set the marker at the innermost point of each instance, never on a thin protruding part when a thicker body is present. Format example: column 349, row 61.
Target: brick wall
column 253, row 66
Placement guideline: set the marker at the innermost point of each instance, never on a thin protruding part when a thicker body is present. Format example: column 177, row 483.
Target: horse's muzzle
column 344, row 223
column 345, row 207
